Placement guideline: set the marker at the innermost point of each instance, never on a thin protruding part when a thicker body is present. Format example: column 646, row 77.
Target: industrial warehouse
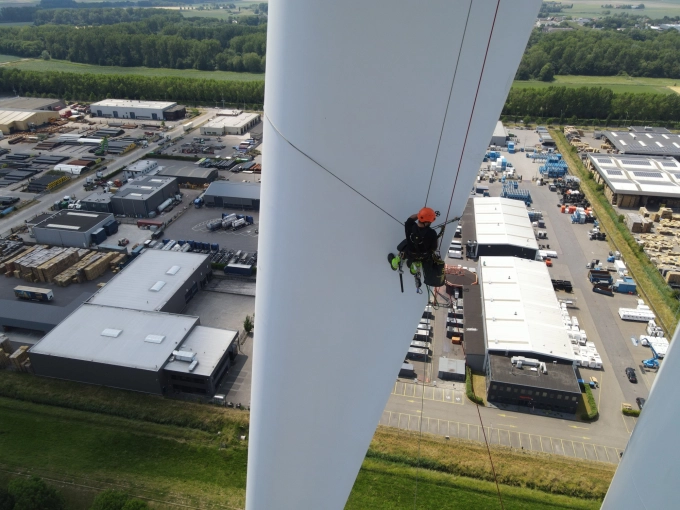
column 128, row 335
column 143, row 197
column 140, row 168
column 76, row 229
column 645, row 141
column 230, row 122
column 634, row 181
column 530, row 355
column 234, row 195
column 195, row 175
column 501, row 227
column 15, row 119
column 131, row 109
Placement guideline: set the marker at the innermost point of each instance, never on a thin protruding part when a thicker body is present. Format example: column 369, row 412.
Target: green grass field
column 71, row 67
column 8, row 58
column 618, row 84
column 167, row 464
column 653, row 9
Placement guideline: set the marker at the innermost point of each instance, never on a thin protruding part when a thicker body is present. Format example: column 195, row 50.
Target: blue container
column 7, row 211
column 214, row 247
column 181, row 242
column 250, row 219
column 166, row 241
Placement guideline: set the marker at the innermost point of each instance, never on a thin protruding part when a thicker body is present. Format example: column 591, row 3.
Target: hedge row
column 591, row 404
column 630, row 412
column 469, row 390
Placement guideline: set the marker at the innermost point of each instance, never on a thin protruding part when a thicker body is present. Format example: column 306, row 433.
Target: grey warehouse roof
column 73, row 221
column 27, row 103
column 99, row 197
column 560, row 376
column 132, row 288
column 209, row 344
column 249, row 190
column 651, row 144
column 143, row 187
column 116, row 336
column 638, row 175
column 188, row 171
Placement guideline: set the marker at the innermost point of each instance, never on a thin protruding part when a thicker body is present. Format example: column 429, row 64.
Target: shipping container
column 33, row 293
column 239, row 269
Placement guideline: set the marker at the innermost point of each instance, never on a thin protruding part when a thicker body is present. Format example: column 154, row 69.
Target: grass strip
column 177, row 465
column 649, row 281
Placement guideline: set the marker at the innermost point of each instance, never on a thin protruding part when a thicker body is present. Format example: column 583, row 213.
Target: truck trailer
column 33, row 293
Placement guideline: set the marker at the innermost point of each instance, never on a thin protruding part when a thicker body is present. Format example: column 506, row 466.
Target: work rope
column 327, row 170
column 488, row 449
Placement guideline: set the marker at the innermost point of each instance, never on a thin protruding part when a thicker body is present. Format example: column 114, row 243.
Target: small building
column 31, row 103
column 233, row 195
column 140, row 168
column 70, row 228
column 634, row 181
column 139, row 198
column 157, row 281
column 502, row 228
column 645, row 142
column 130, row 349
column 13, row 119
column 196, row 175
column 132, row 109
column 500, row 135
column 475, row 346
column 99, row 201
column 232, row 122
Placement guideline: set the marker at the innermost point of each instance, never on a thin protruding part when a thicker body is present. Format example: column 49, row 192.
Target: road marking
column 507, row 416
column 575, row 427
column 506, row 425
column 625, row 424
column 581, row 437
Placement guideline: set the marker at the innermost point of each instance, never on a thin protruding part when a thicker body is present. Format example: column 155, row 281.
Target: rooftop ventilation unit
column 154, row 339
column 157, row 286
column 187, row 356
column 113, row 333
column 173, row 270
column 193, row 365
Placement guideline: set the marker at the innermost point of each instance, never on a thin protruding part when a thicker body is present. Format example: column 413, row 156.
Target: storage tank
column 165, row 205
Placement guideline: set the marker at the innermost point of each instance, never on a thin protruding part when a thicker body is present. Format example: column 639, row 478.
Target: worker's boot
column 414, row 267
column 394, row 261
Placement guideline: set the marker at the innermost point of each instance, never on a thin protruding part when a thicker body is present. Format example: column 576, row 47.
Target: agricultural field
column 72, row 67
column 618, row 84
column 654, row 9
column 4, row 59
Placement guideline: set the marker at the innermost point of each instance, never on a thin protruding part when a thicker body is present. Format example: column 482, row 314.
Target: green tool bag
column 433, row 272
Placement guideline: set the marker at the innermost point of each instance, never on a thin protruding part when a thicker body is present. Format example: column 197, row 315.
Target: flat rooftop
column 117, row 336
column 143, row 187
column 130, row 103
column 27, row 103
column 73, row 221
column 209, row 344
column 560, row 376
column 166, row 271
column 98, row 197
column 474, row 320
column 233, row 121
column 521, row 311
column 141, row 165
column 249, row 190
column 500, row 130
column 645, row 143
column 188, row 171
column 503, row 221
column 639, row 175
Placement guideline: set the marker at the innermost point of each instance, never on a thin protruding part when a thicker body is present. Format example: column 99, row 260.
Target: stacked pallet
column 4, row 359
column 117, row 261
column 99, row 266
column 27, row 266
column 666, row 213
column 51, row 268
column 71, row 275
column 18, row 357
column 6, row 345
column 7, row 267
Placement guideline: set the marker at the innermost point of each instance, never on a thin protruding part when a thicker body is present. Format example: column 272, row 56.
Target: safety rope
column 327, row 170
column 488, row 449
column 448, row 102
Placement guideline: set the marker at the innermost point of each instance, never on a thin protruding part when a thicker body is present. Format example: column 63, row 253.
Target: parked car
column 640, row 402
column 630, row 373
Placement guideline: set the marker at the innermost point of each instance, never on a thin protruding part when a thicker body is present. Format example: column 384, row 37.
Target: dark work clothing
column 421, row 242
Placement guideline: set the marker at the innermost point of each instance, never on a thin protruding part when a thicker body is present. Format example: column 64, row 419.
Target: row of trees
column 603, row 53
column 109, row 16
column 591, row 103
column 157, row 41
column 94, row 87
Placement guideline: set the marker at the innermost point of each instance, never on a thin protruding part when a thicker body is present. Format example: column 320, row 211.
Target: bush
column 109, row 500
column 591, row 408
column 599, row 187
column 630, row 412
column 468, row 388
column 135, row 504
column 6, row 500
column 621, row 218
column 34, row 494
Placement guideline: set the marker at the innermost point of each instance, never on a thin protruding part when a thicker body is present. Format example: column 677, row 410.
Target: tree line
column 634, row 52
column 160, row 40
column 95, row 87
column 101, row 16
column 591, row 103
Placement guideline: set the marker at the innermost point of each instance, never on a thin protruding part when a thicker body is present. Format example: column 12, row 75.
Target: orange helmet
column 426, row 215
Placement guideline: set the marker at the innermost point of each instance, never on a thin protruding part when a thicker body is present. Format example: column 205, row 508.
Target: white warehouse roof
column 117, row 336
column 209, row 345
column 130, row 103
column 231, row 121
column 639, row 175
column 503, row 221
column 132, row 288
column 520, row 308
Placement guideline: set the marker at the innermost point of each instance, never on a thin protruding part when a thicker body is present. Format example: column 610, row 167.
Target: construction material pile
column 90, row 267
column 6, row 351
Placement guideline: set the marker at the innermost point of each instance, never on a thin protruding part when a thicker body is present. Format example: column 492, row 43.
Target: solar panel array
column 656, row 183
column 636, row 162
column 670, row 164
column 604, row 161
column 614, row 172
column 657, row 175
